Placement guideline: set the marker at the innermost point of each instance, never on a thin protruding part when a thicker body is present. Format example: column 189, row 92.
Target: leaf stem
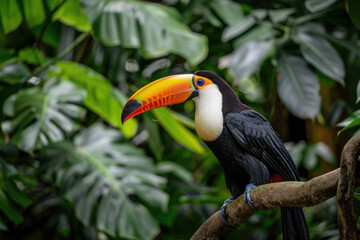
column 67, row 50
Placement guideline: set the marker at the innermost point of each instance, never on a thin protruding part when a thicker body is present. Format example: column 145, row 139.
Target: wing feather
column 255, row 134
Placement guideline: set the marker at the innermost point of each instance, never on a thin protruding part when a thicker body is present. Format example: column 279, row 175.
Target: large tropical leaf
column 240, row 27
column 298, row 87
column 262, row 31
column 10, row 15
column 229, row 11
column 43, row 115
column 319, row 53
column 13, row 73
column 102, row 98
column 177, row 131
column 155, row 29
column 71, row 14
column 34, row 12
column 247, row 58
column 109, row 183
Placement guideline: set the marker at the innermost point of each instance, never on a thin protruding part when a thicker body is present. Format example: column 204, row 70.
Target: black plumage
column 250, row 151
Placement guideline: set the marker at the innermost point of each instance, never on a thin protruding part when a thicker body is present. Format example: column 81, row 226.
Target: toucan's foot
column 247, row 197
column 223, row 208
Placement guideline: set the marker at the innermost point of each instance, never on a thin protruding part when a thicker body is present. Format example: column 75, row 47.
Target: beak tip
column 128, row 109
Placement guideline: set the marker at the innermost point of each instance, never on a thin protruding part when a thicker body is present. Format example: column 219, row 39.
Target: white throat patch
column 208, row 115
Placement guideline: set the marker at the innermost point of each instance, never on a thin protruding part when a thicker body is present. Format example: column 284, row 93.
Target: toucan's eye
column 200, row 82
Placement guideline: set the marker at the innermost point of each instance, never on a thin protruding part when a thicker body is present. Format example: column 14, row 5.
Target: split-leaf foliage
column 70, row 170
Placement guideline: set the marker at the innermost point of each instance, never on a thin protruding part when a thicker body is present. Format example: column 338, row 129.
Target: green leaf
column 309, row 17
column 177, row 131
column 155, row 29
column 353, row 9
column 70, row 13
column 213, row 20
column 357, row 196
column 102, row 98
column 345, row 43
column 229, row 11
column 10, row 15
column 108, row 182
column 353, row 123
column 349, row 119
column 318, row 5
column 280, row 15
column 39, row 116
column 9, row 209
column 237, row 29
column 32, row 56
column 6, row 54
column 34, row 12
column 298, row 87
column 16, row 194
column 259, row 14
column 176, row 169
column 13, row 73
column 321, row 55
column 155, row 144
column 188, row 122
column 260, row 32
column 51, row 35
column 52, row 4
column 247, row 58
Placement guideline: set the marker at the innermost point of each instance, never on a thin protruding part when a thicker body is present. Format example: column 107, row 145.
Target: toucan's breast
column 209, row 118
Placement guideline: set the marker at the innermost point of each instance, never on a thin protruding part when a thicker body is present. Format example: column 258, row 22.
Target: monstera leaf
column 155, row 29
column 42, row 115
column 102, row 98
column 109, row 183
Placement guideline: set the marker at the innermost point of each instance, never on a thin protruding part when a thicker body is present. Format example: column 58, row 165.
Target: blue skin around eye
column 200, row 82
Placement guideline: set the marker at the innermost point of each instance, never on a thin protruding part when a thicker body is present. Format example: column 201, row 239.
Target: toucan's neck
column 213, row 103
column 230, row 102
column 209, row 117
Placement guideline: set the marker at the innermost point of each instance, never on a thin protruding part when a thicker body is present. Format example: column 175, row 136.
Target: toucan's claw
column 247, row 196
column 223, row 208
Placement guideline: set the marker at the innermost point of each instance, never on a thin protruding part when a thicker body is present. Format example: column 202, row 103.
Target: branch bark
column 345, row 190
column 283, row 194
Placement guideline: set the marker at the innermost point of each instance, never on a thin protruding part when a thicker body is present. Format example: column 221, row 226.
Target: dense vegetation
column 71, row 170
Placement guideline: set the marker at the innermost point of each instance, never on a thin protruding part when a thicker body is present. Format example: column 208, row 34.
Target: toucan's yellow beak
column 163, row 92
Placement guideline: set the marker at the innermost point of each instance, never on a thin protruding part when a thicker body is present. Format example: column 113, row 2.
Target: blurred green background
column 70, row 170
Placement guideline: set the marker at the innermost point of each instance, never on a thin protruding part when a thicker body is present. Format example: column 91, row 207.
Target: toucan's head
column 214, row 98
column 165, row 92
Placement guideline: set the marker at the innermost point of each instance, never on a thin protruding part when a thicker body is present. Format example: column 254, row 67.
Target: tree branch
column 283, row 194
column 345, row 190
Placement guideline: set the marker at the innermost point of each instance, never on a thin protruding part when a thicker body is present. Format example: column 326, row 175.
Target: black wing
column 255, row 134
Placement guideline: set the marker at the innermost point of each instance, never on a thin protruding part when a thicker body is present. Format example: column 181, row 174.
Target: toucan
column 249, row 150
